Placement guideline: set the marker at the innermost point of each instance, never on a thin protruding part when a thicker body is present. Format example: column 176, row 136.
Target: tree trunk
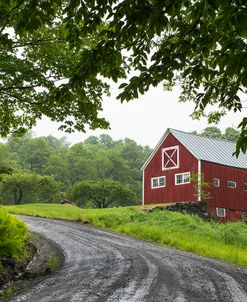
column 20, row 196
column 17, row 196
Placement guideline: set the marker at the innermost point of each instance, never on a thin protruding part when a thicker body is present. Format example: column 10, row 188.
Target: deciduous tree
column 38, row 60
column 231, row 134
column 213, row 132
column 28, row 187
column 101, row 194
column 199, row 44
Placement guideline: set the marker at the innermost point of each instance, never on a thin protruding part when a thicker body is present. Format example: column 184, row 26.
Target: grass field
column 227, row 242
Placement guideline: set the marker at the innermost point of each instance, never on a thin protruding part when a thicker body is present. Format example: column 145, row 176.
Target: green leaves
column 27, row 187
column 242, row 140
column 44, row 167
column 4, row 171
column 40, row 72
column 101, row 194
column 70, row 47
column 13, row 233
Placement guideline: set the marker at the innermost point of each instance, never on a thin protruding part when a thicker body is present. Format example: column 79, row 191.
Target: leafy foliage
column 230, row 133
column 4, row 171
column 33, row 83
column 101, row 194
column 28, row 187
column 45, row 168
column 13, row 233
column 201, row 187
column 213, row 132
column 199, row 44
column 226, row 241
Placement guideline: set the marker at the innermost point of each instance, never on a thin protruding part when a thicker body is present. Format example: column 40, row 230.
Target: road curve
column 104, row 267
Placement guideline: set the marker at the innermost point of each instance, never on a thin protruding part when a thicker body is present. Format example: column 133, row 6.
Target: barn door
column 170, row 158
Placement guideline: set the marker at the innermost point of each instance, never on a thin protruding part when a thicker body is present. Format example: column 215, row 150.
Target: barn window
column 245, row 186
column 216, row 182
column 231, row 184
column 221, row 212
column 170, row 158
column 182, row 178
column 158, row 182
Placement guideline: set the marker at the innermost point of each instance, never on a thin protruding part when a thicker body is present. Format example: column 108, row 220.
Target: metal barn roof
column 208, row 149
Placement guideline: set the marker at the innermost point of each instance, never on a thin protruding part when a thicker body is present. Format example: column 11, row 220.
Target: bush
column 13, row 233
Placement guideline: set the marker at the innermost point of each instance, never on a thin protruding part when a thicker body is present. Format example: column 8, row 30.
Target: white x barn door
column 170, row 158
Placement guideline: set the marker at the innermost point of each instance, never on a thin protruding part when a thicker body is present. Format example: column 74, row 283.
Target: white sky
column 144, row 120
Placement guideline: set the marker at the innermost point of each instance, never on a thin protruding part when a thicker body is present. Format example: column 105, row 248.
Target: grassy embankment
column 227, row 242
column 13, row 251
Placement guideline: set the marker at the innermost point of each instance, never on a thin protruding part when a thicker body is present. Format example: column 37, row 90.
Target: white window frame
column 233, row 182
column 245, row 184
column 221, row 212
column 176, row 166
column 218, row 182
column 183, row 177
column 158, row 178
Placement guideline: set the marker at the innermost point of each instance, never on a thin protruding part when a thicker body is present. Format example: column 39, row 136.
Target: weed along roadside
column 40, row 258
column 14, row 252
column 226, row 242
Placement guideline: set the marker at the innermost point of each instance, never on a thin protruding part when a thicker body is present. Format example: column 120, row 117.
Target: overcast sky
column 144, row 120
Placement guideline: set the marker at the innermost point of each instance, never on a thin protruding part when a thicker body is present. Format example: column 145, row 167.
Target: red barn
column 167, row 173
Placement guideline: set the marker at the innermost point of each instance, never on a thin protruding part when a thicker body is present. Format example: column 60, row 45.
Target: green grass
column 227, row 242
column 52, row 263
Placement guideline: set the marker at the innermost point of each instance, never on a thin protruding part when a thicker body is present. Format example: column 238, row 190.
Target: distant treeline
column 98, row 172
column 46, row 169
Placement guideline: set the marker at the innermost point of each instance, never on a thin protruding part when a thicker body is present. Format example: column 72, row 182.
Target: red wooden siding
column 233, row 200
column 164, row 162
column 172, row 192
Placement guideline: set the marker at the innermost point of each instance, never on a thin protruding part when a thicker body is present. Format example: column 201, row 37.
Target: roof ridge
column 219, row 151
column 204, row 136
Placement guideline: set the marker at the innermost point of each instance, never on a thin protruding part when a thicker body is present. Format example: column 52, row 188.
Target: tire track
column 105, row 267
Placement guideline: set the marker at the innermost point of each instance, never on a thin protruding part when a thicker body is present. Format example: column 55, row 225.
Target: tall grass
column 226, row 242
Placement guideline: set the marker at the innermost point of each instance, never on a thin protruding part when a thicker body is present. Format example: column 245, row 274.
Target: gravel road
column 104, row 267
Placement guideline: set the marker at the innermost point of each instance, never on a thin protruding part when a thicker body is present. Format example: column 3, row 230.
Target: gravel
column 102, row 266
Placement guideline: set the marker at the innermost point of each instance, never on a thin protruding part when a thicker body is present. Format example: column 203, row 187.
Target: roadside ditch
column 45, row 258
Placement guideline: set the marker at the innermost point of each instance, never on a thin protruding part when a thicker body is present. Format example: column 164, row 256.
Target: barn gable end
column 178, row 154
column 164, row 171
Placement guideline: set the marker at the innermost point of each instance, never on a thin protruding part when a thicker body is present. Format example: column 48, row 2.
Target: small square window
column 158, row 182
column 245, row 186
column 162, row 181
column 221, row 212
column 155, row 182
column 216, row 182
column 231, row 184
column 179, row 179
column 186, row 178
column 182, row 178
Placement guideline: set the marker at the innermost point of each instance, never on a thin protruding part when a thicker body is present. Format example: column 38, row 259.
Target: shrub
column 13, row 233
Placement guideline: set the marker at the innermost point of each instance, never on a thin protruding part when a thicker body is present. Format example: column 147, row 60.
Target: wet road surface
column 104, row 267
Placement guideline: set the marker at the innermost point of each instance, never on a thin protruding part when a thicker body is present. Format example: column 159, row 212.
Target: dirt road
column 104, row 267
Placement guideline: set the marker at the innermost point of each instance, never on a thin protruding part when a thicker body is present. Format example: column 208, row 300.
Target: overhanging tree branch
column 38, row 42
column 9, row 13
column 16, row 97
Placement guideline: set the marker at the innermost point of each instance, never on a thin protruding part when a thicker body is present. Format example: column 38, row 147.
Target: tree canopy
column 44, row 169
column 101, row 194
column 37, row 64
column 230, row 133
column 199, row 44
